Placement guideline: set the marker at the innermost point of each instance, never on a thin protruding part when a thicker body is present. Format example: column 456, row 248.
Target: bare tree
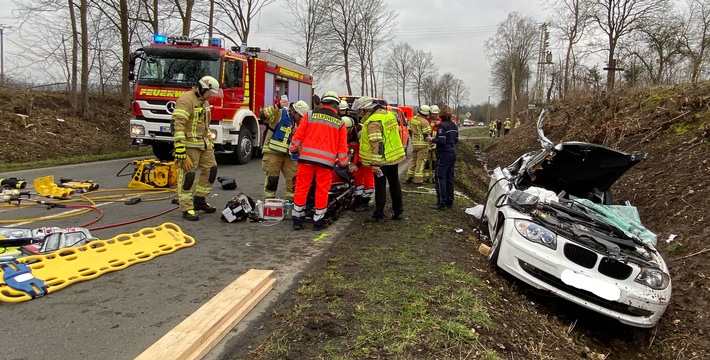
column 307, row 28
column 399, row 67
column 83, row 16
column 377, row 25
column 185, row 11
column 619, row 18
column 74, row 58
column 116, row 13
column 446, row 85
column 459, row 94
column 422, row 66
column 344, row 20
column 572, row 18
column 512, row 48
column 696, row 39
column 429, row 88
column 660, row 49
column 239, row 15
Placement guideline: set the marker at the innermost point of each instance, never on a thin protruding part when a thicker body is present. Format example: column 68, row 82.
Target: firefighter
column 321, row 142
column 506, row 127
column 517, row 123
column 194, row 148
column 431, row 153
column 281, row 121
column 381, row 148
column 364, row 179
column 447, row 135
column 492, row 128
column 419, row 126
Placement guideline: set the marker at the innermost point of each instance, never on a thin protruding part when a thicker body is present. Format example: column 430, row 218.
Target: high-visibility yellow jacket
column 506, row 124
column 191, row 121
column 280, row 130
column 380, row 143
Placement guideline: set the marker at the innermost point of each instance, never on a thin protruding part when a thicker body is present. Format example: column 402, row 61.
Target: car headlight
column 137, row 130
column 536, row 233
column 653, row 278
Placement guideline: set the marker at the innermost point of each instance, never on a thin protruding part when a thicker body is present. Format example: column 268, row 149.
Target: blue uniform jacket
column 447, row 135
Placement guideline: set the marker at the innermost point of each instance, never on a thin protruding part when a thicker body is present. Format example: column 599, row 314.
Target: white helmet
column 424, row 110
column 343, row 105
column 301, row 107
column 434, row 109
column 330, row 96
column 363, row 103
column 348, row 122
column 209, row 83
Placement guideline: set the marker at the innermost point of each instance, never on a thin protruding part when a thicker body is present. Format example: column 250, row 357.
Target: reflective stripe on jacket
column 380, row 133
column 420, row 131
column 191, row 120
column 281, row 132
column 321, row 139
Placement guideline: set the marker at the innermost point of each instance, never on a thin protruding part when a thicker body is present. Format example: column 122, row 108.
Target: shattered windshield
column 176, row 69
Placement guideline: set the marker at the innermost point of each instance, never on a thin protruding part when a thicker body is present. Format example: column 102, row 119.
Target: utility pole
column 488, row 111
column 2, row 54
column 544, row 57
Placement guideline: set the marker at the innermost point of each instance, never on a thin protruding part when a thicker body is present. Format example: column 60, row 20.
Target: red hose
column 130, row 221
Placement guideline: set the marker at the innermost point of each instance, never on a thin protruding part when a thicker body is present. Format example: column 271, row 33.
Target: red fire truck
column 250, row 78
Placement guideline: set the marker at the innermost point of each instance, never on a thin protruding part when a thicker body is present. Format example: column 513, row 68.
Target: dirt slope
column 671, row 190
column 42, row 136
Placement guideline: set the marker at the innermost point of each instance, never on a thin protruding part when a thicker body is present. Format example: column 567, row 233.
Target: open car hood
column 578, row 168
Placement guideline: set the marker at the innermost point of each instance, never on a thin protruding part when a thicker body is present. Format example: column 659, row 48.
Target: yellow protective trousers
column 273, row 165
column 200, row 185
column 416, row 166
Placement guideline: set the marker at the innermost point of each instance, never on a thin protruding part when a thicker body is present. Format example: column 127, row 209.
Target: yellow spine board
column 67, row 266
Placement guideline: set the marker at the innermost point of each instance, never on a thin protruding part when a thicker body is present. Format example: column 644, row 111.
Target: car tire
column 495, row 247
column 244, row 150
column 163, row 150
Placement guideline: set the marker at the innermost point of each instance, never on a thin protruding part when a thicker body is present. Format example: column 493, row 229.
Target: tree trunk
column 211, row 23
column 125, row 55
column 155, row 17
column 188, row 18
column 83, row 13
column 346, row 65
column 74, row 58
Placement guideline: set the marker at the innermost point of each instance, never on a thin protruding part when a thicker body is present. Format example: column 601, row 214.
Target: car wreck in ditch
column 553, row 225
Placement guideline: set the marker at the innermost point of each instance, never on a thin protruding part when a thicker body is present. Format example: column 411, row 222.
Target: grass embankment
column 79, row 159
column 407, row 289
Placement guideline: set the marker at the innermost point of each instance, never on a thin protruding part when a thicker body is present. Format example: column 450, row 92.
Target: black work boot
column 190, row 215
column 298, row 223
column 319, row 225
column 356, row 202
column 201, row 204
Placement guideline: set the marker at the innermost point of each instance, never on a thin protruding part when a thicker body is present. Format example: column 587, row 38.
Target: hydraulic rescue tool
column 151, row 173
column 80, row 186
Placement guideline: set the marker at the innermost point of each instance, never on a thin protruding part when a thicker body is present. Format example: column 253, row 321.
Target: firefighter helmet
column 363, row 103
column 424, row 110
column 343, row 105
column 348, row 122
column 330, row 97
column 209, row 83
column 434, row 109
column 300, row 107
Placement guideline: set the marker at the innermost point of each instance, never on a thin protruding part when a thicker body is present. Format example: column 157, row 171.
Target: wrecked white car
column 553, row 226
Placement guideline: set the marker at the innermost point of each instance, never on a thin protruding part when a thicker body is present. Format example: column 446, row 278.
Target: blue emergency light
column 216, row 42
column 160, row 39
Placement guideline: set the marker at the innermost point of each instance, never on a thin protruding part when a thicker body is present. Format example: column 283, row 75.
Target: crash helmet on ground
column 343, row 105
column 363, row 103
column 434, row 109
column 209, row 83
column 300, row 107
column 424, row 110
column 330, row 97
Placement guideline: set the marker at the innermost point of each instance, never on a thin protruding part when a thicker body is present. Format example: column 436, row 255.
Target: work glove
column 210, row 145
column 180, row 151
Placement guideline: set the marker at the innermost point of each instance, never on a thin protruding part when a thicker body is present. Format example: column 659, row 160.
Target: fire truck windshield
column 176, row 68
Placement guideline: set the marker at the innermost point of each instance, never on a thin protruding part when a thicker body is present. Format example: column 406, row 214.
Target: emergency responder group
column 305, row 144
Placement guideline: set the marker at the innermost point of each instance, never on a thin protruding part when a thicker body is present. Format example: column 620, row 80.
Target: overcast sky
column 453, row 30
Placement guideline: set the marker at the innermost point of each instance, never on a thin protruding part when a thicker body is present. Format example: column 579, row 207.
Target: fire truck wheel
column 244, row 150
column 163, row 151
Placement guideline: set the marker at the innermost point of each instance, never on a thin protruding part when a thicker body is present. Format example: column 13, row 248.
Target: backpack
column 239, row 208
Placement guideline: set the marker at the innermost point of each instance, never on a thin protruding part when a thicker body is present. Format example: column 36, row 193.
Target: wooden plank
column 185, row 338
column 228, row 325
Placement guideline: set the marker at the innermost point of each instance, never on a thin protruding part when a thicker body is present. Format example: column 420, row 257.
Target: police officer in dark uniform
column 447, row 135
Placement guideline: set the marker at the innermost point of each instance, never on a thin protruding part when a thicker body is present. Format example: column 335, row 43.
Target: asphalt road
column 120, row 314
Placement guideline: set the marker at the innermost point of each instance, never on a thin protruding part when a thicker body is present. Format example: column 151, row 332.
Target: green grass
column 473, row 131
column 79, row 159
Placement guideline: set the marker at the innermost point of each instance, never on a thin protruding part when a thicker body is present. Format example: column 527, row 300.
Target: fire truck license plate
column 165, row 129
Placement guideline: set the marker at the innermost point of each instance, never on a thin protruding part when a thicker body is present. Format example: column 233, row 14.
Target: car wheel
column 244, row 150
column 495, row 247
